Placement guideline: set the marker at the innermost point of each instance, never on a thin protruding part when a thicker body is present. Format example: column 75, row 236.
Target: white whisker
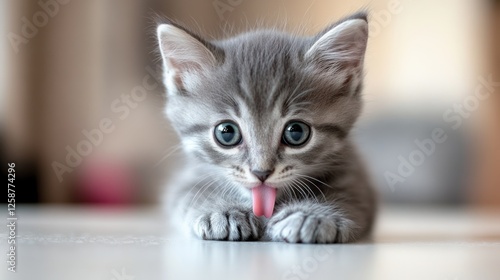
column 202, row 190
column 319, row 189
column 315, row 180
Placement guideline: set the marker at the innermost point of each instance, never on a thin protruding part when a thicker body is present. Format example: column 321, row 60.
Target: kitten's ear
column 342, row 47
column 183, row 52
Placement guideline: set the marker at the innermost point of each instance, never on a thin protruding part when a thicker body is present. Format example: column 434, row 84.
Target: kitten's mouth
column 263, row 197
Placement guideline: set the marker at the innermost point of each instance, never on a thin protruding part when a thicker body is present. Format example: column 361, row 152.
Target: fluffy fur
column 261, row 80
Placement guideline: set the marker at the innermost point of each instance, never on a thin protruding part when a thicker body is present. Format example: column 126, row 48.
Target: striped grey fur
column 261, row 80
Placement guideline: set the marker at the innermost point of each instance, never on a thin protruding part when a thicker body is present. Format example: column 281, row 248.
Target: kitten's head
column 265, row 106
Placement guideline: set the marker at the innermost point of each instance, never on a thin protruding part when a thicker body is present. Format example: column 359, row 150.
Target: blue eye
column 296, row 133
column 227, row 134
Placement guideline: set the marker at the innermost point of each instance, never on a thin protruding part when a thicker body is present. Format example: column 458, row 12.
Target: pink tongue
column 263, row 200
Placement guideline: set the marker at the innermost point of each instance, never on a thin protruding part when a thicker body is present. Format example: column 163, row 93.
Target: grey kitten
column 264, row 118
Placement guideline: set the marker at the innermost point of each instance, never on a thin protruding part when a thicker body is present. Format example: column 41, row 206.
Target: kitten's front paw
column 233, row 225
column 310, row 225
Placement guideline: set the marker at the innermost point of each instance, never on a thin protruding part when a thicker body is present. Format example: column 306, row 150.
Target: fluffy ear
column 342, row 47
column 183, row 53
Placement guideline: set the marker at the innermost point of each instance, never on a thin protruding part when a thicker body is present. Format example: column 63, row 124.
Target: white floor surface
column 74, row 243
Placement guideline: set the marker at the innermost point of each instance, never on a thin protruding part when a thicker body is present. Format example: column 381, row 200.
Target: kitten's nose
column 262, row 174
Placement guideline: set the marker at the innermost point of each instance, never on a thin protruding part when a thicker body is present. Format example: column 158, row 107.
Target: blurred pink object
column 106, row 182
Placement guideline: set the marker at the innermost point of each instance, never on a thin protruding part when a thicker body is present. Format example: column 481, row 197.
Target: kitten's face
column 265, row 107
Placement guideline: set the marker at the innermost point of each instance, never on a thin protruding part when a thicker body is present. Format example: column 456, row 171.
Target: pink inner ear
column 343, row 47
column 182, row 51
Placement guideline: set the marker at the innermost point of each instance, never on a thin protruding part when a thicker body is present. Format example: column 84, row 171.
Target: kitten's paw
column 233, row 225
column 310, row 225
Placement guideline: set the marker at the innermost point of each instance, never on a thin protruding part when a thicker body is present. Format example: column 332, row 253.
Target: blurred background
column 81, row 106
